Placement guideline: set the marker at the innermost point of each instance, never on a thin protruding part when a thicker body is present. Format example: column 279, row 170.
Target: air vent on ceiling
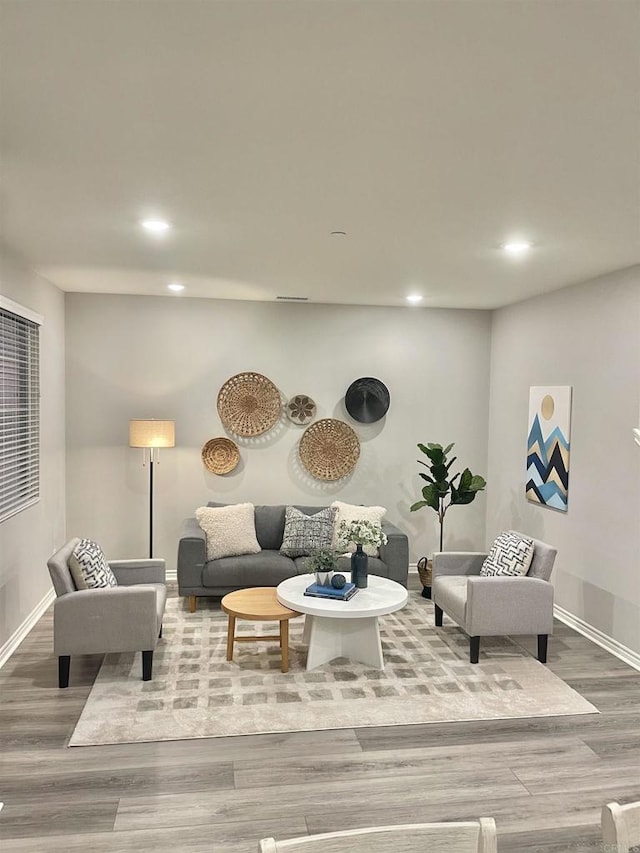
column 292, row 298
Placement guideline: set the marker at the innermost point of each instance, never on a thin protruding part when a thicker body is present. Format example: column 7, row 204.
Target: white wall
column 167, row 357
column 28, row 538
column 587, row 336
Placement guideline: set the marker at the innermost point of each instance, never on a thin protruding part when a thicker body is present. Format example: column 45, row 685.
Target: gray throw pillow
column 89, row 567
column 304, row 534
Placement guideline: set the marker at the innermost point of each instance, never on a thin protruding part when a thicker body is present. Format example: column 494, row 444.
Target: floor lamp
column 151, row 435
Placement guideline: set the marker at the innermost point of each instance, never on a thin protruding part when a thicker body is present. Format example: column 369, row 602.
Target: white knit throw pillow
column 351, row 512
column 231, row 530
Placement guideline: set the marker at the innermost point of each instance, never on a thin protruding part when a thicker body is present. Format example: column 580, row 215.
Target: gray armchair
column 498, row 605
column 122, row 618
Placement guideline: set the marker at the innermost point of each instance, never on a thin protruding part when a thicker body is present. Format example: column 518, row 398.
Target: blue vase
column 359, row 568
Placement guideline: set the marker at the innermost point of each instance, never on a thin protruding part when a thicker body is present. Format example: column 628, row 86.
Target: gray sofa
column 199, row 577
column 495, row 606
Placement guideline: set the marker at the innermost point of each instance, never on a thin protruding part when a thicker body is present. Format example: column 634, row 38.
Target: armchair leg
column 438, row 616
column 542, row 647
column 474, row 649
column 160, row 634
column 64, row 663
column 193, row 601
column 147, row 665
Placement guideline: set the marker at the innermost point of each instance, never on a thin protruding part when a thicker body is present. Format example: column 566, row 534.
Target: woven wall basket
column 220, row 455
column 329, row 449
column 249, row 404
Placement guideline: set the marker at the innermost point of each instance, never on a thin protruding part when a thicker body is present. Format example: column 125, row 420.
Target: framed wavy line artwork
column 548, row 445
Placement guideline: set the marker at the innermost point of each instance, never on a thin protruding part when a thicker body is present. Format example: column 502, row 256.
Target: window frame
column 26, row 391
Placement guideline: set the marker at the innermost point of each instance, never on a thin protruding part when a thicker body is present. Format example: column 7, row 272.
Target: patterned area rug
column 427, row 678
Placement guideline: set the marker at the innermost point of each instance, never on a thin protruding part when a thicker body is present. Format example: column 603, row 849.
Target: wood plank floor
column 544, row 779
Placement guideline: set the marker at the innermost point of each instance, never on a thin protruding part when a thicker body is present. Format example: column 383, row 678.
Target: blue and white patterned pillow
column 304, row 534
column 89, row 567
column 510, row 554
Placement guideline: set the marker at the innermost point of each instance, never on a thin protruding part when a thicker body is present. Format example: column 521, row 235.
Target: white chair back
column 621, row 827
column 477, row 836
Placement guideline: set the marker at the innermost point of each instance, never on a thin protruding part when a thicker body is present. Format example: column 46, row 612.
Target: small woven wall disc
column 220, row 455
column 249, row 404
column 329, row 449
column 301, row 409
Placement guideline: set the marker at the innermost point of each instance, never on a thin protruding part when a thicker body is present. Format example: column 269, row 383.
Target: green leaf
column 439, row 473
column 426, row 477
column 449, row 464
column 422, row 448
column 432, row 496
column 436, row 455
column 448, row 448
column 463, row 498
column 465, row 480
column 433, row 446
column 477, row 483
column 418, row 505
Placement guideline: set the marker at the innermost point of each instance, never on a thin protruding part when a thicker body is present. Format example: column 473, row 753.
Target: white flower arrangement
column 361, row 533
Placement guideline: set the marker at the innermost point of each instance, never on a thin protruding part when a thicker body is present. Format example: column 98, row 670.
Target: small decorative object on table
column 323, row 563
column 360, row 533
column 345, row 594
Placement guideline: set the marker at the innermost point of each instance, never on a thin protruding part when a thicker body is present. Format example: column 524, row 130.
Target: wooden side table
column 258, row 604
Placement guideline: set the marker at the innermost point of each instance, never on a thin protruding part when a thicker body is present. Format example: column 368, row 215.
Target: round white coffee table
column 348, row 629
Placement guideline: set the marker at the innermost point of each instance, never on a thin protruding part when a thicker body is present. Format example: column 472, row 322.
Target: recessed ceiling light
column 155, row 226
column 414, row 298
column 517, row 247
column 176, row 287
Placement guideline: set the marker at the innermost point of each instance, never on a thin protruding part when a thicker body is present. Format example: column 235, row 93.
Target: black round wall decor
column 367, row 400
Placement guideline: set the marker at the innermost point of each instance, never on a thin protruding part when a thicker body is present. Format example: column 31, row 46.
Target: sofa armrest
column 457, row 563
column 395, row 554
column 131, row 572
column 192, row 554
column 508, row 605
column 113, row 619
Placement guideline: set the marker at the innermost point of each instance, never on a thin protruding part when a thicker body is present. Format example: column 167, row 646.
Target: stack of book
column 344, row 594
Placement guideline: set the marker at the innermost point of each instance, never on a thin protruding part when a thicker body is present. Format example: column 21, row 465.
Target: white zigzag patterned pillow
column 89, row 567
column 510, row 554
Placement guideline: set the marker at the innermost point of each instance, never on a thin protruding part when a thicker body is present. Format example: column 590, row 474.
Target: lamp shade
column 152, row 433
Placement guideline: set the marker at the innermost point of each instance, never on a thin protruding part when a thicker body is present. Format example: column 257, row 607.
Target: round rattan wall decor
column 249, row 404
column 220, row 455
column 301, row 409
column 329, row 449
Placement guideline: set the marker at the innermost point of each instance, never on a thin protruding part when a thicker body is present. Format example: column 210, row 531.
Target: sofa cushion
column 510, row 554
column 270, row 526
column 450, row 594
column 268, row 568
column 89, row 567
column 230, row 530
column 304, row 534
column 351, row 512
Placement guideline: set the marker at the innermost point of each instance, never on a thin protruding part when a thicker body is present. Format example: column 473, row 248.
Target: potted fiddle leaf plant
column 443, row 490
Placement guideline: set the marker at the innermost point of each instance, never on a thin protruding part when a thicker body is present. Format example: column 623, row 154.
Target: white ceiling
column 431, row 131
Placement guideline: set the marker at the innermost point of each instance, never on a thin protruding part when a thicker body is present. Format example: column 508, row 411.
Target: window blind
column 19, row 413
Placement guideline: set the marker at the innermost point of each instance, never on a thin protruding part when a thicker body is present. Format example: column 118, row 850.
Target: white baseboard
column 171, row 574
column 22, row 630
column 598, row 637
